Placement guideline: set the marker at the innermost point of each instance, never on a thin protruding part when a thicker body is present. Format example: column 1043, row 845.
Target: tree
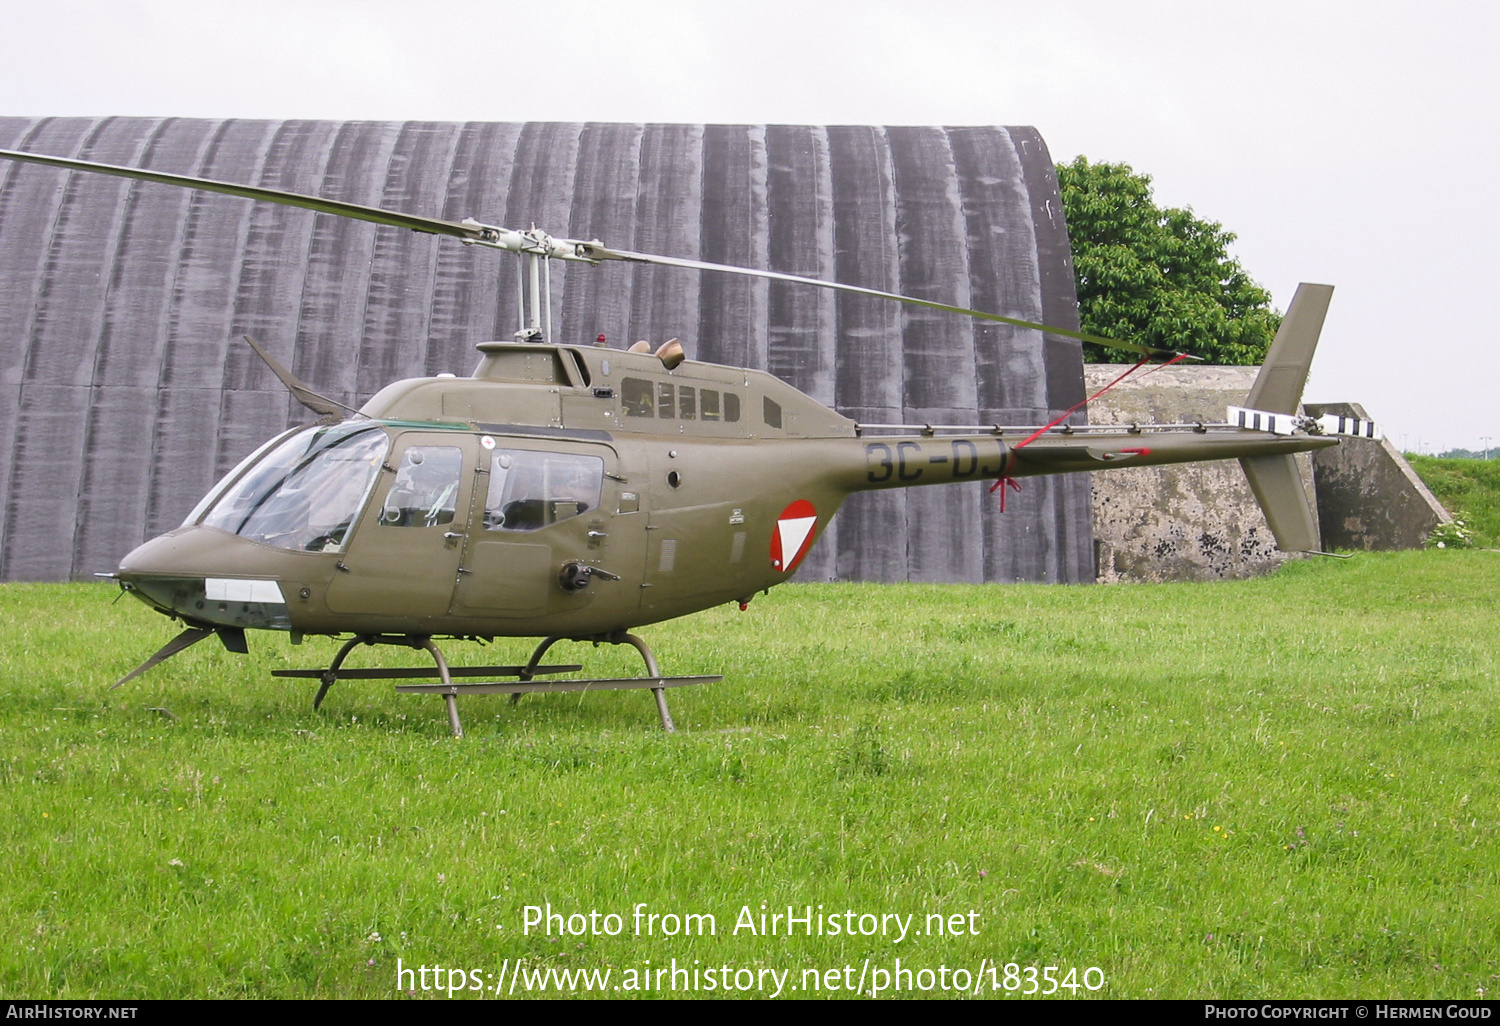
column 1159, row 277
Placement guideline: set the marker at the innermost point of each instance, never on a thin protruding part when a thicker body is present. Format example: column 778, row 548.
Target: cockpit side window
column 425, row 492
column 531, row 490
column 305, row 493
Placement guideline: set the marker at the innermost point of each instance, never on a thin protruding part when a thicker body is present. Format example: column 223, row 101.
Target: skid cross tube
column 525, row 674
column 614, row 639
column 331, row 675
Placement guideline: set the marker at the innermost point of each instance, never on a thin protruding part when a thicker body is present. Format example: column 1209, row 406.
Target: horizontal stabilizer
column 1277, row 484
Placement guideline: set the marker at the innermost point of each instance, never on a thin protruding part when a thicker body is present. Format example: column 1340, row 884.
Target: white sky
column 1355, row 143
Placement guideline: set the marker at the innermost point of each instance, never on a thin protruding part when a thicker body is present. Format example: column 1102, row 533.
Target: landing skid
column 525, row 675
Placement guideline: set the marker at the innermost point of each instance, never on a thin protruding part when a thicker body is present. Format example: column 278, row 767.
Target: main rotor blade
column 417, row 223
column 594, row 251
column 540, row 243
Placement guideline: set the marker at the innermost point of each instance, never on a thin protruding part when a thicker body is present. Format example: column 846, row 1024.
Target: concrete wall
column 1368, row 495
column 1193, row 522
column 1200, row 522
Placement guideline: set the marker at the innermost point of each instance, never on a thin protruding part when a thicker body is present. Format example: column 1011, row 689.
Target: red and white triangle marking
column 795, row 532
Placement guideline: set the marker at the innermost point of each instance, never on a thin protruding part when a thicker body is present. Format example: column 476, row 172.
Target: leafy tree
column 1159, row 277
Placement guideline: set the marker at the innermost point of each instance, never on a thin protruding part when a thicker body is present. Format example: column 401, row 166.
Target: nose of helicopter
column 206, row 577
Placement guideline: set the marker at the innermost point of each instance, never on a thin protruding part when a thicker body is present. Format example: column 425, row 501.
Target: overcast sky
column 1349, row 143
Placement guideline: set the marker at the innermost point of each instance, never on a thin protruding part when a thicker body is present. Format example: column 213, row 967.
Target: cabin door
column 539, row 505
column 403, row 558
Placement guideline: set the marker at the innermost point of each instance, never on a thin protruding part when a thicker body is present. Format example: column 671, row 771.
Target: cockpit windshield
column 306, row 492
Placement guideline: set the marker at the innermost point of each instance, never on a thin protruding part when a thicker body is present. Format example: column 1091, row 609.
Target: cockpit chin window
column 306, row 492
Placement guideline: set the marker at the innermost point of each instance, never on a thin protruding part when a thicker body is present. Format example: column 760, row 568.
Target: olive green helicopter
column 569, row 492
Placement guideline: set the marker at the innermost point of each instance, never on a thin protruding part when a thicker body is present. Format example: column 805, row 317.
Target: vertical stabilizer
column 1277, row 484
column 1276, row 480
column 1278, row 388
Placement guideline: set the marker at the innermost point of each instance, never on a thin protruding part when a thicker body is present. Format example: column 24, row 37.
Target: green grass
column 1468, row 486
column 1278, row 787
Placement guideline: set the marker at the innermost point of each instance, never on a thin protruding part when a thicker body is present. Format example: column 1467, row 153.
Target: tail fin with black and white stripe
column 1276, row 394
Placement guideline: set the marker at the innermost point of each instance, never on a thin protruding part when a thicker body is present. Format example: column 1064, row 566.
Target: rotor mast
column 537, row 267
column 536, row 249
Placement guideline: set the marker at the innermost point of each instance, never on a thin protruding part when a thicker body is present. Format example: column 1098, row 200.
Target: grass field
column 1278, row 787
column 1467, row 487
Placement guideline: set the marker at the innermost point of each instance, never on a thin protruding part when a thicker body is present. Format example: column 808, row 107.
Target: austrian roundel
column 796, row 529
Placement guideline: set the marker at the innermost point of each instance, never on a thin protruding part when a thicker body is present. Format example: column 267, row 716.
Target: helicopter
column 574, row 492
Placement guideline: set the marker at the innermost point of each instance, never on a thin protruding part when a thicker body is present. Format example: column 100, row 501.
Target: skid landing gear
column 525, row 675
column 652, row 674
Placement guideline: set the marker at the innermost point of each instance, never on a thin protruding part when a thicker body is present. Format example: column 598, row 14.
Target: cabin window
column 772, row 413
column 666, row 401
column 305, row 493
column 637, row 396
column 425, row 493
column 531, row 490
column 687, row 402
column 731, row 408
column 230, row 478
column 708, row 403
